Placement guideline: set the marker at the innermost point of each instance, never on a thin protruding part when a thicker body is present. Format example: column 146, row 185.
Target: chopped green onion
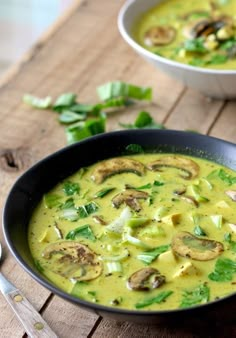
column 103, row 192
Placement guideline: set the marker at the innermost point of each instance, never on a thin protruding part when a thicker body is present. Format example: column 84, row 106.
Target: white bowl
column 219, row 84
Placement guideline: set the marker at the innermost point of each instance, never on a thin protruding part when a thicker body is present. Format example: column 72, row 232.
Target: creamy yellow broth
column 175, row 204
column 216, row 48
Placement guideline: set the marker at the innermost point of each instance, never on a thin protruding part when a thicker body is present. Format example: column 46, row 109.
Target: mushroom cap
column 159, row 36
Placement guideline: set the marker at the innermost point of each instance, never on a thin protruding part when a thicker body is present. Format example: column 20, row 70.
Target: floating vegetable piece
column 146, row 279
column 130, row 197
column 171, row 219
column 73, row 260
column 190, row 200
column 159, row 36
column 187, row 165
column 186, row 245
column 186, row 269
column 115, row 166
column 99, row 219
column 231, row 194
column 232, row 227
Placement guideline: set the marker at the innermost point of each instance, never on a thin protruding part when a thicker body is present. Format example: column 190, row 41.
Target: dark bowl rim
column 97, row 308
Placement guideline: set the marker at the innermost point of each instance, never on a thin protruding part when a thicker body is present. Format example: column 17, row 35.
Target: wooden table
column 82, row 51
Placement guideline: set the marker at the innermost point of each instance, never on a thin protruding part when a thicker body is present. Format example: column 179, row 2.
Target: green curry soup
column 200, row 33
column 147, row 231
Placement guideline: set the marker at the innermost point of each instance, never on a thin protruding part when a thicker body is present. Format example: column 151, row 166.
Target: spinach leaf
column 121, row 89
column 198, row 295
column 224, row 270
column 149, row 256
column 217, row 59
column 161, row 297
column 71, row 188
column 36, row 102
column 83, row 231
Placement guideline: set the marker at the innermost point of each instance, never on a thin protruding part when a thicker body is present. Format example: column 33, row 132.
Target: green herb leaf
column 143, row 121
column 224, row 270
column 103, row 192
column 134, row 149
column 87, row 209
column 161, row 297
column 71, row 188
column 198, row 295
column 117, row 89
column 149, row 256
column 232, row 244
column 195, row 45
column 217, row 59
column 37, row 102
column 64, row 101
column 83, row 231
column 51, row 200
column 223, row 175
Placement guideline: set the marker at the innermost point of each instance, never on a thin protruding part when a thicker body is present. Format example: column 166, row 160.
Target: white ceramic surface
column 219, row 84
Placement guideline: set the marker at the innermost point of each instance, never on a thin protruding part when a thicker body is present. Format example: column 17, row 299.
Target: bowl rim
column 128, row 38
column 98, row 308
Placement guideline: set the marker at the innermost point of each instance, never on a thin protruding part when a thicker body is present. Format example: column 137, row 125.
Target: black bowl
column 29, row 188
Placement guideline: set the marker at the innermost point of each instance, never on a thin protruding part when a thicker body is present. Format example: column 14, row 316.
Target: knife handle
column 35, row 326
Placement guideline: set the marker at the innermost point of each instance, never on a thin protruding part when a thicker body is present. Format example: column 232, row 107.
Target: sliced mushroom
column 186, row 245
column 72, row 260
column 146, row 279
column 231, row 194
column 115, row 166
column 159, row 36
column 130, row 197
column 190, row 167
column 202, row 28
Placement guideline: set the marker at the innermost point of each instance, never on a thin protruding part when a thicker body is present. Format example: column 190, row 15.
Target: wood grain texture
column 83, row 51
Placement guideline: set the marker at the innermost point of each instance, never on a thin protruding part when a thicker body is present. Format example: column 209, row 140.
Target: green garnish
column 143, row 120
column 149, row 256
column 37, row 102
column 121, row 89
column 72, row 213
column 195, row 45
column 103, row 192
column 71, row 188
column 161, row 297
column 198, row 295
column 87, row 209
column 84, row 231
column 84, row 129
column 232, row 244
column 134, row 149
column 223, row 175
column 224, row 270
column 64, row 101
column 51, row 200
